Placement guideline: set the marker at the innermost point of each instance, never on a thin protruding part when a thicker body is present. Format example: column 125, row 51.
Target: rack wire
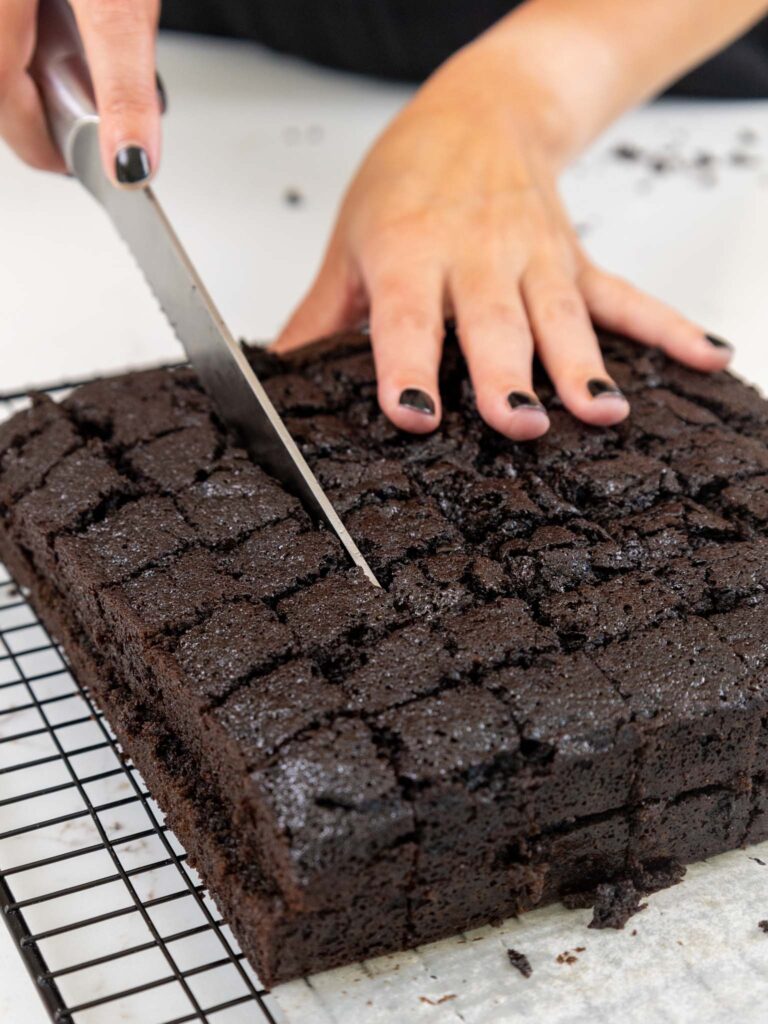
column 108, row 917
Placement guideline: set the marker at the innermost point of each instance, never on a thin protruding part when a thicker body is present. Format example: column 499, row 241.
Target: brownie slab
column 563, row 683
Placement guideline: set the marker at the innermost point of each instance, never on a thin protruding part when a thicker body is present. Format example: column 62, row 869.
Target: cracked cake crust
column 564, row 679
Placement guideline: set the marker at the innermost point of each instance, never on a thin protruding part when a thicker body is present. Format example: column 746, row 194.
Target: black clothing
column 407, row 39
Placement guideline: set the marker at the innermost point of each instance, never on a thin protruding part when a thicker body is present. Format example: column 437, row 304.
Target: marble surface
column 675, row 197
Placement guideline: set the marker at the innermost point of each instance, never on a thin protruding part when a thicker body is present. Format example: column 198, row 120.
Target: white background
column 243, row 127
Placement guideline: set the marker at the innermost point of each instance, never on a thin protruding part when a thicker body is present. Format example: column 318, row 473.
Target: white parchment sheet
column 696, row 953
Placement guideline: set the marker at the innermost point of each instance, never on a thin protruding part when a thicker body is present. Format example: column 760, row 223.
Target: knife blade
column 60, row 70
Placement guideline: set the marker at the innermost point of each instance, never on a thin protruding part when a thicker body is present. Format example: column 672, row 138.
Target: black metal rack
column 106, row 914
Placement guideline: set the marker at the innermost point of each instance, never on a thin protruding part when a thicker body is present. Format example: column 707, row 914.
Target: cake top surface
column 544, row 603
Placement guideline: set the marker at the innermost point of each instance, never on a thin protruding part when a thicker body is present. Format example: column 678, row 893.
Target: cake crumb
column 626, row 151
column 566, row 957
column 653, row 877
column 437, row 1002
column 520, row 962
column 763, row 926
column 758, row 861
column 615, row 903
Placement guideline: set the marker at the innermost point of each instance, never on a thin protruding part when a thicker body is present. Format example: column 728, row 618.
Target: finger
column 24, row 128
column 496, row 340
column 22, row 122
column 335, row 302
column 619, row 306
column 406, row 322
column 119, row 40
column 569, row 349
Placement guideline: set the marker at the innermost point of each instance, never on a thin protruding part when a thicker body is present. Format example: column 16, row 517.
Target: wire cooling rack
column 109, row 919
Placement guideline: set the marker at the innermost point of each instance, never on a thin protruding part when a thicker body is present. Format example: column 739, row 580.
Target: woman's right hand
column 119, row 39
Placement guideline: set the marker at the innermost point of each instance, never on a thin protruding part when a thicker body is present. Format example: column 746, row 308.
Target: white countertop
column 243, row 127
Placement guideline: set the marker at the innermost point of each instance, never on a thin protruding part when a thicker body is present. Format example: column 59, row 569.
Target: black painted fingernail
column 161, row 93
column 419, row 401
column 132, row 165
column 718, row 342
column 522, row 400
column 603, row 389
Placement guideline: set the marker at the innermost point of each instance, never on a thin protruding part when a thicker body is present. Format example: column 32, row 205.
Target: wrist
column 560, row 78
column 496, row 86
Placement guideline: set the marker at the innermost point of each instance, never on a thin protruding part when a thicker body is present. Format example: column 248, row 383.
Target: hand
column 119, row 40
column 455, row 212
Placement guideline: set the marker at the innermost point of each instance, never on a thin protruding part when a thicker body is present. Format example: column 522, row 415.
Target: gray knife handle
column 60, row 71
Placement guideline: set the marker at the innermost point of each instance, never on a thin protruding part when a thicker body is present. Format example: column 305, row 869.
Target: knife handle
column 61, row 74
column 60, row 70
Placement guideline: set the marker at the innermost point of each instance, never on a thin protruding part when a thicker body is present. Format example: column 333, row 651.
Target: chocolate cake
column 562, row 683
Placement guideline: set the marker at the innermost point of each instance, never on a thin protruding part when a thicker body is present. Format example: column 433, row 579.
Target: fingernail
column 418, row 401
column 604, row 389
column 522, row 400
column 131, row 165
column 713, row 339
column 162, row 95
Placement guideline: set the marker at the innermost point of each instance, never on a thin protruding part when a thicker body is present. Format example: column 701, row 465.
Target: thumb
column 119, row 41
column 335, row 302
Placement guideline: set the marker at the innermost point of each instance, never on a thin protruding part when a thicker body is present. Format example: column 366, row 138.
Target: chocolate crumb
column 293, row 197
column 657, row 875
column 741, row 159
column 763, row 926
column 615, row 903
column 758, row 861
column 437, row 1002
column 520, row 962
column 643, row 880
column 626, row 151
column 566, row 958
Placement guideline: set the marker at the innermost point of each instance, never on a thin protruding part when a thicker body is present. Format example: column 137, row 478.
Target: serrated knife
column 61, row 72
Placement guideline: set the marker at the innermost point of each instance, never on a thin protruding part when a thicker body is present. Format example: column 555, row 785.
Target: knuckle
column 558, row 306
column 108, row 16
column 10, row 74
column 612, row 291
column 382, row 246
column 496, row 315
column 127, row 102
column 680, row 327
column 397, row 233
column 7, row 75
column 402, row 320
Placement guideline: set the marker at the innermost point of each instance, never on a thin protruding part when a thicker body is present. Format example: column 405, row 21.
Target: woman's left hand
column 455, row 212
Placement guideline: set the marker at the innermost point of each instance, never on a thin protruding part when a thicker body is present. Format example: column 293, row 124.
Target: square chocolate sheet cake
column 563, row 682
